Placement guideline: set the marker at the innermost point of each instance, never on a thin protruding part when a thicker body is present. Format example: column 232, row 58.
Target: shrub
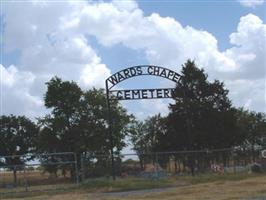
column 256, row 168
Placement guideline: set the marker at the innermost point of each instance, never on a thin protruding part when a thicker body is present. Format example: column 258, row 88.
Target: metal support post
column 76, row 168
column 110, row 126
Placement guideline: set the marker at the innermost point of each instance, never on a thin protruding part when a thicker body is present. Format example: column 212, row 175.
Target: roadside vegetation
column 228, row 186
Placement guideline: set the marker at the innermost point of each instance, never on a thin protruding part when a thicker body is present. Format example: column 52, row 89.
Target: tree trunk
column 253, row 151
column 192, row 168
column 72, row 174
column 141, row 160
column 191, row 164
column 175, row 166
column 179, row 166
column 184, row 165
column 15, row 176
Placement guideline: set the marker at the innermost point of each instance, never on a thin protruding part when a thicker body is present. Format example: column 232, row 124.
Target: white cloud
column 7, row 75
column 15, row 93
column 249, row 48
column 166, row 42
column 53, row 39
column 46, row 51
column 147, row 107
column 251, row 3
column 248, row 93
column 94, row 75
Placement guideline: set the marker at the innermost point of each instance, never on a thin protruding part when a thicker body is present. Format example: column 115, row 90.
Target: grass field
column 34, row 177
column 218, row 187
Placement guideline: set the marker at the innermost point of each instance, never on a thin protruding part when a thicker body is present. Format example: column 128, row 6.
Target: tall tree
column 138, row 136
column 94, row 122
column 64, row 99
column 18, row 136
column 78, row 120
column 202, row 116
column 252, row 127
column 145, row 137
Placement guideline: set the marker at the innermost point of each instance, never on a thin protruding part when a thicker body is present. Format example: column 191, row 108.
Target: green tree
column 261, row 129
column 139, row 139
column 78, row 120
column 252, row 127
column 145, row 137
column 18, row 137
column 138, row 134
column 94, row 122
column 202, row 116
column 58, row 130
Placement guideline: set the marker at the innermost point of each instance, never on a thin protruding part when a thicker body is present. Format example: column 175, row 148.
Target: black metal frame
column 136, row 94
column 131, row 72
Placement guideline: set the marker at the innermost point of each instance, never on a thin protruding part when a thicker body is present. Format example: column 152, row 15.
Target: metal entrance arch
column 135, row 94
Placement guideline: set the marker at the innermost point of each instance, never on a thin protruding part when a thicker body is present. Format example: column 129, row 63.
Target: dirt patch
column 135, row 192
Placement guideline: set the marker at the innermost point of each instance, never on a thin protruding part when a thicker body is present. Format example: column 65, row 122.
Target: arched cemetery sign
column 132, row 94
column 141, row 70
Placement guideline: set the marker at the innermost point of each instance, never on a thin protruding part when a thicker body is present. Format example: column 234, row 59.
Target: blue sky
column 220, row 18
column 87, row 41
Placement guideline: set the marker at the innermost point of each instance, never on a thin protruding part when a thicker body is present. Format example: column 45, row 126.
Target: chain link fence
column 163, row 164
column 37, row 172
column 63, row 171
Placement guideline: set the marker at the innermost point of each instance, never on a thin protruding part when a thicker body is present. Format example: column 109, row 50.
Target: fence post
column 234, row 161
column 25, row 179
column 157, row 165
column 76, row 168
column 82, row 168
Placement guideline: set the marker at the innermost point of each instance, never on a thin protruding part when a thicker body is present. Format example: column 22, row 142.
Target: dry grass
column 34, row 177
column 218, row 190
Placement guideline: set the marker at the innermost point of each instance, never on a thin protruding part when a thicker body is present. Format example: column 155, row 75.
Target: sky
column 87, row 41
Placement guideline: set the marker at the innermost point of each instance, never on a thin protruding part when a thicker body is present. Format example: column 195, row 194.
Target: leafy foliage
column 202, row 116
column 144, row 135
column 78, row 120
column 18, row 136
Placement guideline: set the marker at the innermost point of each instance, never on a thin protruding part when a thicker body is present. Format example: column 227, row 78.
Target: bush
column 256, row 168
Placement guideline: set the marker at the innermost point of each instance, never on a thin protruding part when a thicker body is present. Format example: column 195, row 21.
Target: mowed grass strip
column 128, row 184
column 220, row 187
column 90, row 186
column 218, row 190
column 206, row 178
